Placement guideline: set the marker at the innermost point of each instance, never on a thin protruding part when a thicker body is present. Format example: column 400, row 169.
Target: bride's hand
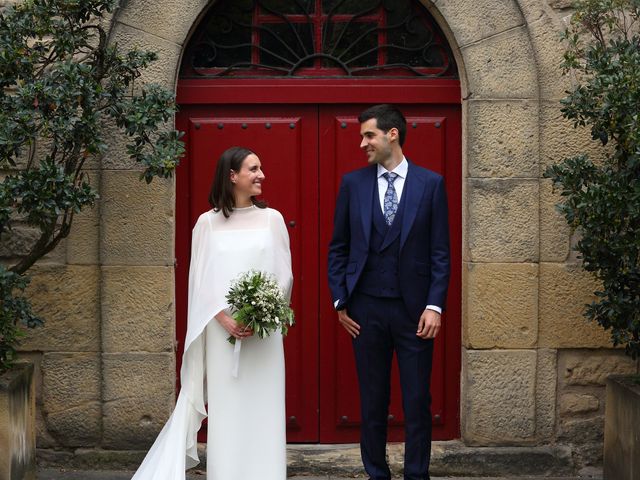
column 231, row 326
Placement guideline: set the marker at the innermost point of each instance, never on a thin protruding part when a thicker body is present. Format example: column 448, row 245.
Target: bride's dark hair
column 221, row 196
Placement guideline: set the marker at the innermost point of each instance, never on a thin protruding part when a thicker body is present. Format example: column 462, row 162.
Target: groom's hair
column 387, row 117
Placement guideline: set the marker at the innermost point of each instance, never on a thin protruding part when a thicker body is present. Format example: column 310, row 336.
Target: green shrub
column 602, row 196
column 62, row 81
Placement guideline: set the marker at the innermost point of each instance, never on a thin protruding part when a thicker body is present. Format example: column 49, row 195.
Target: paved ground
column 57, row 474
column 342, row 462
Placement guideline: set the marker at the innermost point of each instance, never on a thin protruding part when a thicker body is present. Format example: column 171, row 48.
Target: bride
column 246, row 414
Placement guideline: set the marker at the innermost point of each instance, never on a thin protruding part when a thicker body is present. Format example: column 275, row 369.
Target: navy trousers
column 385, row 327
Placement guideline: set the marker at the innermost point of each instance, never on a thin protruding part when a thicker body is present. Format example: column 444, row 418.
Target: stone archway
column 501, row 49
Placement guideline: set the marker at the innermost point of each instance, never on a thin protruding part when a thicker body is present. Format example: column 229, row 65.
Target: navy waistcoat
column 380, row 274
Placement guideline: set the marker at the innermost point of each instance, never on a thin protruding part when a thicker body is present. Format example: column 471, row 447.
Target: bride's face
column 248, row 181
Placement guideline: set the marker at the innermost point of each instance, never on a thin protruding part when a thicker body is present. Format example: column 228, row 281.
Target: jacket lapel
column 365, row 197
column 414, row 187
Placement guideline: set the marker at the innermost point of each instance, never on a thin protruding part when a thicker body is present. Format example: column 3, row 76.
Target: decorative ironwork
column 318, row 38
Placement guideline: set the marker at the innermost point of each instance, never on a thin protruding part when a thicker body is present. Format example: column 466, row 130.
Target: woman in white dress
column 246, row 414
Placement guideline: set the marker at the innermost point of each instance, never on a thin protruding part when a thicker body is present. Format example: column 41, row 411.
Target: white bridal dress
column 246, row 426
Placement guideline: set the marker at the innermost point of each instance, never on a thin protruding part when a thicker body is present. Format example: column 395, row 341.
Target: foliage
column 14, row 309
column 602, row 196
column 257, row 302
column 62, row 83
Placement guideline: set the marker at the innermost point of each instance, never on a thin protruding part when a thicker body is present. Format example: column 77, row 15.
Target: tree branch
column 39, row 249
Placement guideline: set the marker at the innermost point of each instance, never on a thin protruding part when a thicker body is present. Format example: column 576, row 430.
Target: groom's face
column 375, row 142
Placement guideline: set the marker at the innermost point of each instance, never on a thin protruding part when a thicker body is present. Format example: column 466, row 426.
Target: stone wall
column 582, row 377
column 533, row 369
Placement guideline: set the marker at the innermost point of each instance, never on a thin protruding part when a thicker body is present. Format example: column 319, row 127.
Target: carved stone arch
column 492, row 41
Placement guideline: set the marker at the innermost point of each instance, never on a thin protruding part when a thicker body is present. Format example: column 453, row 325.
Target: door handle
column 292, row 223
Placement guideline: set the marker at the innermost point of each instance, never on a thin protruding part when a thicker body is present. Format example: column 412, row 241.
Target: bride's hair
column 221, row 195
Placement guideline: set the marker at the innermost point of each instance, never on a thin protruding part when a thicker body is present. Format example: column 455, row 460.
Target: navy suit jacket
column 424, row 262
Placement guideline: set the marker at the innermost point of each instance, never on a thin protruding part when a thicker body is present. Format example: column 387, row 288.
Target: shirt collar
column 401, row 169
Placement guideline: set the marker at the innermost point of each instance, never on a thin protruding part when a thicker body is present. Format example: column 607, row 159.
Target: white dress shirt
column 401, row 170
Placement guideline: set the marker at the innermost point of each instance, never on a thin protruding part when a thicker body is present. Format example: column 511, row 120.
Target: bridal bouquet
column 258, row 303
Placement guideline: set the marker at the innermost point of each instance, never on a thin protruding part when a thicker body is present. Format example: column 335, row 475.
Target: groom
column 388, row 275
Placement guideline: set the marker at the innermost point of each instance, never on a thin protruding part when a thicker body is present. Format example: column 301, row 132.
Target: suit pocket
column 352, row 267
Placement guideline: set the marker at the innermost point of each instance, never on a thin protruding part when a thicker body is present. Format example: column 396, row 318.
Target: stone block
column 565, row 289
column 137, row 309
column 76, row 426
column 70, row 380
column 137, row 220
column 502, row 139
column 532, row 10
column 462, row 17
column 116, row 157
column 71, row 398
column 560, row 140
column 67, row 298
column 498, row 396
column 501, row 66
column 44, row 439
column 83, row 243
column 577, row 403
column 18, row 241
column 582, row 430
column 57, row 256
column 139, row 392
column 454, row 459
column 501, row 305
column 151, row 17
column 502, row 220
column 546, row 392
column 549, row 50
column 592, row 367
column 92, row 460
column 561, row 4
column 164, row 70
column 555, row 233
column 586, row 435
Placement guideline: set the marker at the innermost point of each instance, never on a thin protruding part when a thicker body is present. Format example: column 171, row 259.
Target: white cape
column 221, row 249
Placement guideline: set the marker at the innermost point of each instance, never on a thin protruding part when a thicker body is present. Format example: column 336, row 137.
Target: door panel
column 286, row 143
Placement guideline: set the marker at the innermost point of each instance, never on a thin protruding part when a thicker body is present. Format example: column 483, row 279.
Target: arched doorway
column 288, row 79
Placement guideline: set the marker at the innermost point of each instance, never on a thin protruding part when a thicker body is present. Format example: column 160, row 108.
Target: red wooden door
column 304, row 150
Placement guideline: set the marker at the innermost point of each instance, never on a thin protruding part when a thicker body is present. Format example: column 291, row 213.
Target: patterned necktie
column 390, row 198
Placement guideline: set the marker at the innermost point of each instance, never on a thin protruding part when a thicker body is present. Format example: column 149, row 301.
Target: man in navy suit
column 388, row 275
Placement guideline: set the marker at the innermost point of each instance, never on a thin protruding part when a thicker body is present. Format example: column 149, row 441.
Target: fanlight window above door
column 318, row 38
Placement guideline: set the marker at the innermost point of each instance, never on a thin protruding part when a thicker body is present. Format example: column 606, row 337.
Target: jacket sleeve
column 339, row 247
column 440, row 257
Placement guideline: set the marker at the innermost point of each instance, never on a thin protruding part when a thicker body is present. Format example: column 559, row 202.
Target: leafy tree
column 62, row 81
column 602, row 196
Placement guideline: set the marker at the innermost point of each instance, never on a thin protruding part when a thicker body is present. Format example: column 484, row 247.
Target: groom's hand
column 347, row 322
column 429, row 324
